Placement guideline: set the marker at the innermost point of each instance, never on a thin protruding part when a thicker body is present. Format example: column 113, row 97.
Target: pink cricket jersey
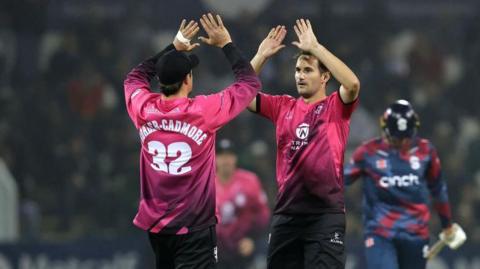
column 177, row 156
column 243, row 208
column 311, row 140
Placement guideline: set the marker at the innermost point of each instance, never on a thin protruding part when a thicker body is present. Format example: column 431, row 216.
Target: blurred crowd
column 65, row 133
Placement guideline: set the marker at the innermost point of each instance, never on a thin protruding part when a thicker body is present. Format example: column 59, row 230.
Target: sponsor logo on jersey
column 381, row 164
column 302, row 134
column 302, row 130
column 399, row 181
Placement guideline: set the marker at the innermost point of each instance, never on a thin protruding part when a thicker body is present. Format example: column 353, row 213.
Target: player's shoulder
column 424, row 144
column 367, row 149
column 372, row 145
column 335, row 96
column 283, row 97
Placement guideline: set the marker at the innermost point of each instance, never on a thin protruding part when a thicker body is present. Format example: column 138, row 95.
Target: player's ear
column 326, row 76
column 188, row 78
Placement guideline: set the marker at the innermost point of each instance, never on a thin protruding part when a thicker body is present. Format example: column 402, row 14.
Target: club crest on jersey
column 414, row 162
column 302, row 130
column 381, row 164
column 301, row 139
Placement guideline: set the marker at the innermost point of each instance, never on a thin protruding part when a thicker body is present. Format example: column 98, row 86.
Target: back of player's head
column 400, row 120
column 172, row 68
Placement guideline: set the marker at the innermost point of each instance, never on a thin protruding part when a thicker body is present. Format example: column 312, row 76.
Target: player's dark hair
column 321, row 66
column 171, row 89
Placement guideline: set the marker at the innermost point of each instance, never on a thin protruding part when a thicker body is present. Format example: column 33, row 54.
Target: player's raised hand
column 185, row 33
column 273, row 42
column 217, row 33
column 307, row 40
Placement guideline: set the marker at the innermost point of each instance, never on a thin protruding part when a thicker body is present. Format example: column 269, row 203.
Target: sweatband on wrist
column 181, row 38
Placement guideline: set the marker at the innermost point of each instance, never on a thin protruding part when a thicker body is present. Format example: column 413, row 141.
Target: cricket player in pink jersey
column 243, row 208
column 308, row 223
column 177, row 137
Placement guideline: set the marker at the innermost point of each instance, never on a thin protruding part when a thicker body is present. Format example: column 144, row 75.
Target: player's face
column 308, row 77
column 226, row 163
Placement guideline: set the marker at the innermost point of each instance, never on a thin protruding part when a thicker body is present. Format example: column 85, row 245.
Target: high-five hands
column 273, row 42
column 217, row 33
column 306, row 38
column 185, row 34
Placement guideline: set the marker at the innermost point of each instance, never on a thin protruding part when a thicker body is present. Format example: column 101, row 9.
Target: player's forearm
column 258, row 62
column 339, row 70
column 444, row 212
column 242, row 69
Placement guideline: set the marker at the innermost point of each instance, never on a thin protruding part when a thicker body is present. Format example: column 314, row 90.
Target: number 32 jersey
column 177, row 158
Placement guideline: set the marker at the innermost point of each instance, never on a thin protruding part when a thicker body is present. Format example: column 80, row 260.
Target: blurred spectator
column 243, row 208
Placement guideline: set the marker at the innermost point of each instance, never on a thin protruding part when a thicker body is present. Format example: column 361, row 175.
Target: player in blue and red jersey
column 177, row 138
column 308, row 223
column 400, row 172
column 243, row 209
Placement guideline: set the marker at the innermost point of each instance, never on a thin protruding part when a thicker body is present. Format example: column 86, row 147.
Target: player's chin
column 304, row 92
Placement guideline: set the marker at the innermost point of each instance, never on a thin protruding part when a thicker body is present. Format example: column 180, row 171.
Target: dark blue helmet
column 400, row 120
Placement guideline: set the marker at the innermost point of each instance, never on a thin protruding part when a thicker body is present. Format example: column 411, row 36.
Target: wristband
column 181, row 38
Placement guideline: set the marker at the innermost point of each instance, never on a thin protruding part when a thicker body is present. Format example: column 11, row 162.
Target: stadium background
column 68, row 143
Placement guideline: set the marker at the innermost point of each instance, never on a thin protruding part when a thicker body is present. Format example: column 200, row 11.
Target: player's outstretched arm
column 137, row 81
column 141, row 75
column 236, row 97
column 267, row 48
column 307, row 41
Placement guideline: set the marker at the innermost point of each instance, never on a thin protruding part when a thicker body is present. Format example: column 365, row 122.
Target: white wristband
column 181, row 38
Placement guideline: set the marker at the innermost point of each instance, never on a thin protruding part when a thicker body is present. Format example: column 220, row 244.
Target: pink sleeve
column 270, row 106
column 137, row 91
column 342, row 111
column 135, row 102
column 137, row 86
column 222, row 107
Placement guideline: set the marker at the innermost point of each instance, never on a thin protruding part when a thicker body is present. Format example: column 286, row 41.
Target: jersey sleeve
column 222, row 107
column 356, row 166
column 137, row 86
column 438, row 189
column 270, row 106
column 342, row 111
